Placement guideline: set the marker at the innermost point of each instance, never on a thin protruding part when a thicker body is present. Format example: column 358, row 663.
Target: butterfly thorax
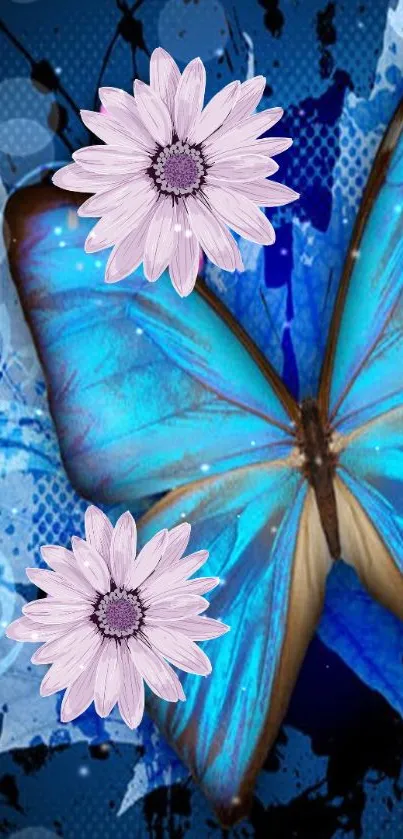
column 319, row 463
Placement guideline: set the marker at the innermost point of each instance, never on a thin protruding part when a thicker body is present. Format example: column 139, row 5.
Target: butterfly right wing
column 261, row 527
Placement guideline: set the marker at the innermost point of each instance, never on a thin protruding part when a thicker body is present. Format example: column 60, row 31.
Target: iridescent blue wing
column 362, row 389
column 148, row 391
column 262, row 529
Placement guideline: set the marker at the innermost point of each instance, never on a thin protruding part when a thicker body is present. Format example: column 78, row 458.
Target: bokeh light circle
column 22, row 136
column 27, row 127
column 190, row 29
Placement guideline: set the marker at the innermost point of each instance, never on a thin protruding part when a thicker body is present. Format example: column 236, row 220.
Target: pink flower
column 111, row 620
column 174, row 176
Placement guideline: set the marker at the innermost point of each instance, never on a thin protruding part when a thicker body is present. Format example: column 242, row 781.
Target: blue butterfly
column 153, row 395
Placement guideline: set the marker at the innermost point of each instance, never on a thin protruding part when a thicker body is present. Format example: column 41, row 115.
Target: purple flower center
column 119, row 613
column 122, row 614
column 180, row 171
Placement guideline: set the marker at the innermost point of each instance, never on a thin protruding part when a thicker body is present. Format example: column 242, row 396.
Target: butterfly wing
column 148, row 391
column 362, row 383
column 262, row 529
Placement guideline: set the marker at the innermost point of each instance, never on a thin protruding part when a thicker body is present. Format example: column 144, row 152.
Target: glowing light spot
column 301, row 112
column 14, row 511
column 273, row 529
column 284, row 251
column 345, row 221
column 377, row 448
column 62, row 244
column 236, row 800
column 38, row 412
column 58, row 231
column 188, row 234
column 355, row 254
column 98, row 263
column 177, row 228
column 4, row 624
column 58, row 70
column 205, row 467
column 139, row 330
column 253, row 442
column 183, row 515
column 34, row 636
column 222, row 583
column 83, row 771
column 86, row 563
column 79, row 266
column 398, row 208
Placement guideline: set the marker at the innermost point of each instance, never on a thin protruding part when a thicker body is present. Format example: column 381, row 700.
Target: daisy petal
column 172, row 577
column 109, row 130
column 131, row 695
column 108, row 201
column 199, row 586
column 269, row 146
column 111, row 160
column 91, row 564
column 157, row 674
column 56, row 648
column 123, row 108
column 153, row 113
column 147, row 560
column 64, row 563
column 67, row 668
column 179, row 650
column 123, row 548
column 98, row 531
column 251, row 128
column 184, row 264
column 107, row 679
column 214, row 114
column 249, row 96
column 55, row 585
column 25, row 629
column 118, row 223
column 177, row 542
column 128, row 254
column 214, row 238
column 164, row 77
column 266, row 193
column 173, row 608
column 199, row 628
column 240, row 214
column 239, row 167
column 160, row 239
column 189, row 97
column 76, row 178
column 48, row 611
column 80, row 694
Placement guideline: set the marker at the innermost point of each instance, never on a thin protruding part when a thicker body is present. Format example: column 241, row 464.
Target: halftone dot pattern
column 58, row 512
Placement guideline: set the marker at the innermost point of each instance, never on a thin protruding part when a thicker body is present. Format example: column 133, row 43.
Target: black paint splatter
column 9, row 791
column 274, row 18
column 326, row 34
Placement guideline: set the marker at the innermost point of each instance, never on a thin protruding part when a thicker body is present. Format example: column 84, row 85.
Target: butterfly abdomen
column 319, row 464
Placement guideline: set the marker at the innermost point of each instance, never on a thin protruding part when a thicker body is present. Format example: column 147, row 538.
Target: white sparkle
column 222, row 583
column 398, row 208
column 62, row 244
column 58, row 71
column 205, row 467
column 356, row 254
column 360, row 24
column 14, row 511
column 84, row 771
column 345, row 221
column 219, row 52
column 34, row 636
column 301, row 112
column 253, row 442
column 139, row 330
column 273, row 529
column 183, row 515
column 284, row 251
column 79, row 266
column 236, row 800
column 38, row 412
column 58, row 231
column 177, row 228
column 188, row 234
column 98, row 263
column 4, row 624
column 377, row 448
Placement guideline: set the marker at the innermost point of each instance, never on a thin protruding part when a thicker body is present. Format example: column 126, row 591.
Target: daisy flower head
column 173, row 176
column 112, row 620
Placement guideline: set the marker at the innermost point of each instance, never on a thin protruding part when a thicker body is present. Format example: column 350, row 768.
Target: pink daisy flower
column 174, row 176
column 111, row 621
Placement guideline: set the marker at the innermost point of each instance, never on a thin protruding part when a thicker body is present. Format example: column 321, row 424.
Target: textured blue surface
column 337, row 69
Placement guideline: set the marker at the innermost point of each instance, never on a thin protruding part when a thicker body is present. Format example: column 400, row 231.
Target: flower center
column 178, row 169
column 119, row 613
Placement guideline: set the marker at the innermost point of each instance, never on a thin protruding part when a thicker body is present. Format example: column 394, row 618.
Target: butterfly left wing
column 262, row 529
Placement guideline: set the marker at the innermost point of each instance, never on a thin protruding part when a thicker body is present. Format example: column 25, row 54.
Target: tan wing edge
column 312, row 564
column 363, row 549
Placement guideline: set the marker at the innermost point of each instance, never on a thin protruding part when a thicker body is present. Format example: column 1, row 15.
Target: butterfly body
column 319, row 464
